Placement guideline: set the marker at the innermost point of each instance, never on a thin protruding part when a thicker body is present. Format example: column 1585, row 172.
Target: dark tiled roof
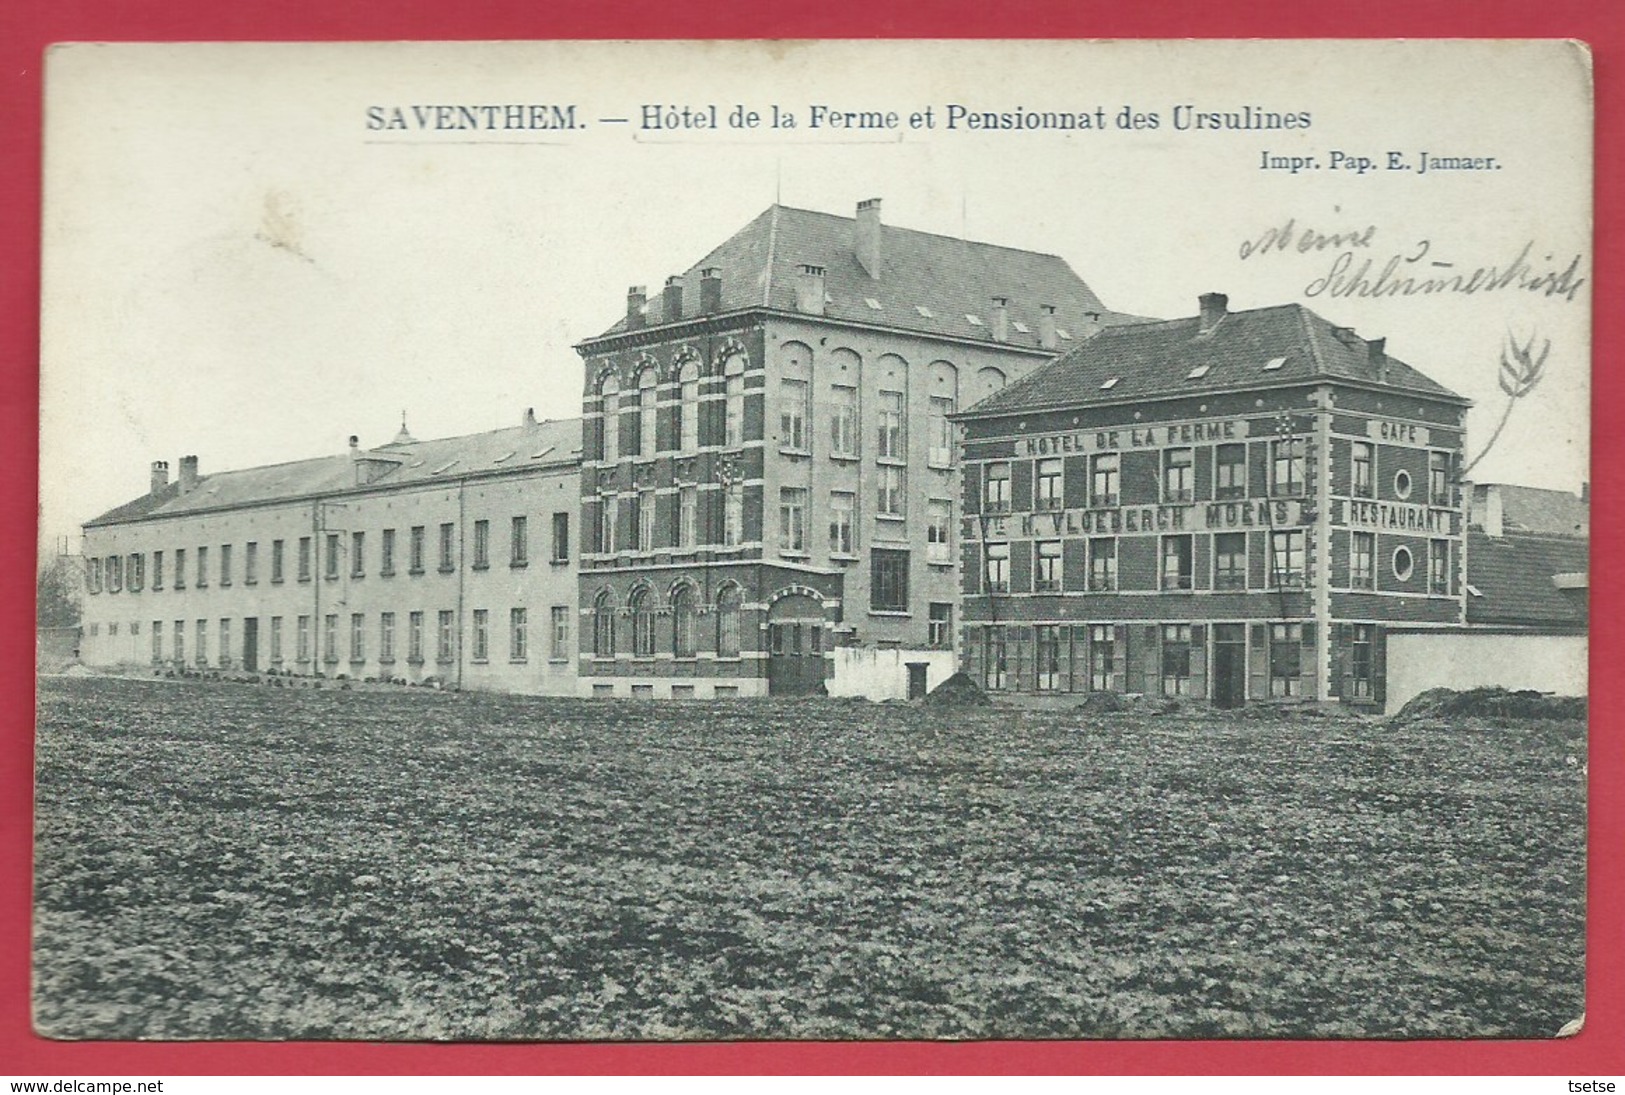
column 1152, row 360
column 394, row 465
column 1533, row 509
column 952, row 278
column 1513, row 578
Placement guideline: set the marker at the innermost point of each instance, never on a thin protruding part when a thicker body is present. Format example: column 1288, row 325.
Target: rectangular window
column 302, row 638
column 201, row 637
column 560, row 637
column 414, row 559
column 1439, row 566
column 1361, row 475
column 1439, row 478
column 414, row 637
column 93, row 573
column 733, row 416
column 482, row 544
column 1230, row 472
column 608, row 515
column 940, row 628
column 793, row 415
column 646, row 520
column 1046, row 657
column 996, row 488
column 482, row 635
column 1049, row 485
column 688, row 515
column 1230, row 560
column 202, row 567
column 1103, row 479
column 157, row 641
column 1361, row 663
column 1102, row 657
column 1047, row 567
column 888, row 580
column 115, row 573
column 225, row 643
column 180, row 642
column 1287, row 466
column 386, row 554
column 1102, row 564
column 997, row 568
column 561, row 537
column 358, row 555
column 276, row 640
column 448, row 548
column 251, row 563
column 733, row 514
column 843, row 423
column 1286, row 660
column 793, row 519
column 518, row 641
column 157, row 570
column 331, row 570
column 1178, row 475
column 180, row 570
column 1287, row 559
column 138, row 573
column 304, row 558
column 386, row 637
column 842, row 504
column 358, row 638
column 890, row 436
column 225, row 565
column 939, row 515
column 1176, row 659
column 444, row 648
column 330, row 638
column 1176, row 562
column 519, row 542
column 1362, row 560
column 276, row 560
column 889, row 499
column 996, row 669
column 942, row 433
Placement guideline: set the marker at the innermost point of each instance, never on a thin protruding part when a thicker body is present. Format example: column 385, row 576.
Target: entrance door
column 1229, row 665
column 251, row 644
column 916, row 680
column 795, row 646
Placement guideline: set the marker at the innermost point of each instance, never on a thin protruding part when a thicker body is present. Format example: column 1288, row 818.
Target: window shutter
column 1258, row 550
column 1075, row 564
column 1075, row 482
column 1021, row 566
column 1258, row 663
column 1309, row 664
column 972, row 493
column 1151, row 661
column 970, row 569
column 1120, row 661
column 1204, row 472
column 1258, row 469
column 1202, row 561
column 1199, row 661
column 1141, row 474
column 1021, row 485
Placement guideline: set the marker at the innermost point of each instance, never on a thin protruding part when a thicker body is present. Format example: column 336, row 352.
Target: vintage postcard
column 814, row 540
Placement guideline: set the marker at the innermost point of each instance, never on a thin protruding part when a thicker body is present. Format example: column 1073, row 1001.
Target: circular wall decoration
column 1402, row 483
column 1403, row 563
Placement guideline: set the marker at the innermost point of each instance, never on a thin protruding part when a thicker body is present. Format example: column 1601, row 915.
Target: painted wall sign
column 1400, row 516
column 1398, row 433
column 1118, row 438
column 1259, row 513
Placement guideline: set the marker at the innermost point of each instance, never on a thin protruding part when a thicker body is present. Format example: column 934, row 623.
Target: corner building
column 769, row 481
column 1230, row 507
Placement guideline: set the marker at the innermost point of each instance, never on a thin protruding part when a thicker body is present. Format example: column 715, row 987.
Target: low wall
column 877, row 674
column 1419, row 660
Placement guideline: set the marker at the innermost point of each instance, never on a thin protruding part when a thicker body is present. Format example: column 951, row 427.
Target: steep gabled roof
column 1264, row 347
column 1512, row 580
column 950, row 278
column 390, row 466
column 1537, row 510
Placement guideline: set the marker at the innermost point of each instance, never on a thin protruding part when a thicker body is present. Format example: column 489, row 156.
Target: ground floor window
column 603, row 625
column 1047, row 657
column 728, row 607
column 1176, row 659
column 1362, row 664
column 995, row 664
column 940, row 632
column 1286, row 660
column 1102, row 658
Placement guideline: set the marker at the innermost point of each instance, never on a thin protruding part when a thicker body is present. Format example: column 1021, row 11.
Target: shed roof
column 1512, row 580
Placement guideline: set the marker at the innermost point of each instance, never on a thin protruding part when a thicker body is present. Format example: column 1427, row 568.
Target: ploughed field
column 238, row 861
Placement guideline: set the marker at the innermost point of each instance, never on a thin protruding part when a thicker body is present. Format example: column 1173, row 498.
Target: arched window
column 682, row 622
column 609, row 395
column 603, row 625
column 728, row 622
column 647, row 418
column 733, row 378
column 988, row 381
column 643, row 624
column 688, row 393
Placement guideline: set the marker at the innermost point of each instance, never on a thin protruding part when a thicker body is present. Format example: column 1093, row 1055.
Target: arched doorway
column 795, row 645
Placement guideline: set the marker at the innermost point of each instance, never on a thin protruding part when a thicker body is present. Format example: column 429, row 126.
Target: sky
column 237, row 267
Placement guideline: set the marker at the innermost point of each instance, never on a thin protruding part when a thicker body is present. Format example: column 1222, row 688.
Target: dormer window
column 1109, row 384
column 1197, row 373
column 1274, row 363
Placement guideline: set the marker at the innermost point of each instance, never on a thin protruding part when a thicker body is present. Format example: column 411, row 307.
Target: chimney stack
column 810, row 290
column 1379, row 359
column 636, row 298
column 1494, row 511
column 671, row 301
column 188, row 478
column 160, row 476
column 1001, row 319
column 1046, row 326
column 710, row 290
column 530, row 417
column 1214, row 307
column 866, row 241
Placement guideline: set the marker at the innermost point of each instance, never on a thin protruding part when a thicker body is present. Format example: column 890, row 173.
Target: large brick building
column 448, row 560
column 1232, row 506
column 769, row 476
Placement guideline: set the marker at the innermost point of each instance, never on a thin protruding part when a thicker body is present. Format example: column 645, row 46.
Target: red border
column 28, row 26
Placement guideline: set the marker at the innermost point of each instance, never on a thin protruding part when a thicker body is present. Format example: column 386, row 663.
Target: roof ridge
column 927, row 232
